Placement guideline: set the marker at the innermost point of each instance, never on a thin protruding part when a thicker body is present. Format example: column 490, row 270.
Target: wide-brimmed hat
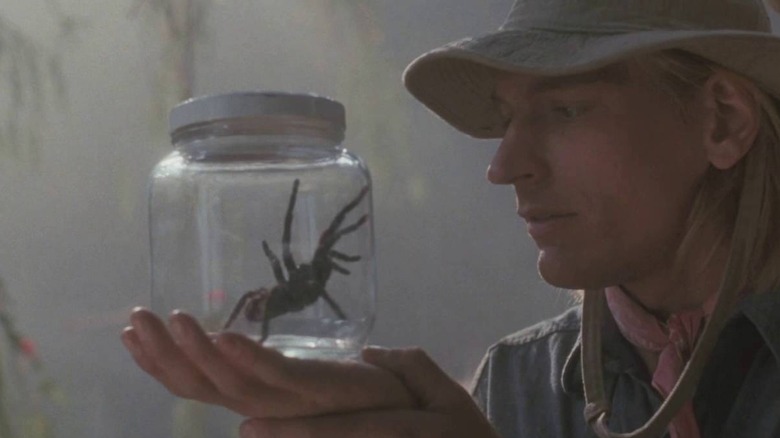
column 559, row 37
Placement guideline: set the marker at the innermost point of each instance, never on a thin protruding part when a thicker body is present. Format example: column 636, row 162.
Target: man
column 642, row 139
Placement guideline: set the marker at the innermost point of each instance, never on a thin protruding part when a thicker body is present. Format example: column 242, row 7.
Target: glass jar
column 261, row 223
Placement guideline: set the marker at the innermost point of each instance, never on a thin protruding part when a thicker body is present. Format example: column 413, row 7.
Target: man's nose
column 519, row 158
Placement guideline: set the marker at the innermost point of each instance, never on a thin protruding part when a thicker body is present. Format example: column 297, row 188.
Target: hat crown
column 619, row 16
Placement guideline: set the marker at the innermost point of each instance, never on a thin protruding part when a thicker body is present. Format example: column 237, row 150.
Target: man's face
column 604, row 168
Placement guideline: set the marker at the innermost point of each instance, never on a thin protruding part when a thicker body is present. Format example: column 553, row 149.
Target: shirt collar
column 619, row 357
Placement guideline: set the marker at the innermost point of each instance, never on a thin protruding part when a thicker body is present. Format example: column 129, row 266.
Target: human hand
column 444, row 408
column 233, row 371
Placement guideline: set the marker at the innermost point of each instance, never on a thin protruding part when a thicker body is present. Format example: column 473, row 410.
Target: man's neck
column 676, row 289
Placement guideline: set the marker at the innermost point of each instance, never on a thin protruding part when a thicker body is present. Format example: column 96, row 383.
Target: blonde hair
column 750, row 190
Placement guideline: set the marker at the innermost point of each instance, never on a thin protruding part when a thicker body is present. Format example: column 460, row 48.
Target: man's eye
column 506, row 118
column 570, row 111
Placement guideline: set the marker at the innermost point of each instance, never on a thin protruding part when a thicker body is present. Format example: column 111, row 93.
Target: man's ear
column 731, row 118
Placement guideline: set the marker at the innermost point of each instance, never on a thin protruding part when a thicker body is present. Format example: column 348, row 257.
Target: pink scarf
column 671, row 343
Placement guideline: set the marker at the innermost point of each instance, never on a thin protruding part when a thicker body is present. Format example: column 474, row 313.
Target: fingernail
column 143, row 326
column 129, row 342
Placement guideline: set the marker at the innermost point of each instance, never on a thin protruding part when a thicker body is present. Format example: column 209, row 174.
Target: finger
column 133, row 344
column 295, row 387
column 432, row 386
column 378, row 424
column 252, row 387
column 316, row 387
column 247, row 393
column 251, row 358
column 350, row 386
column 164, row 360
column 155, row 341
column 199, row 348
column 283, row 372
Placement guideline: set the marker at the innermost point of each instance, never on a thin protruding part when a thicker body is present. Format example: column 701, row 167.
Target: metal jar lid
column 209, row 108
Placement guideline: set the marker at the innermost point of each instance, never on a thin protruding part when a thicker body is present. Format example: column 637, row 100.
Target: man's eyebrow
column 617, row 74
column 497, row 100
column 613, row 74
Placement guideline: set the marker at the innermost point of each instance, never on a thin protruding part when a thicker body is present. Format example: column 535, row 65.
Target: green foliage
column 189, row 419
column 27, row 394
column 181, row 24
column 378, row 114
column 31, row 78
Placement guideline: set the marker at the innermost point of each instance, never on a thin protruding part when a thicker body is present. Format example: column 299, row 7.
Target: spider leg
column 265, row 327
column 333, row 305
column 277, row 267
column 240, row 305
column 289, row 262
column 339, row 268
column 343, row 257
column 327, row 242
column 339, row 218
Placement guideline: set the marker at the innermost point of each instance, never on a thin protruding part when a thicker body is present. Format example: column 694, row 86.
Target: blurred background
column 85, row 86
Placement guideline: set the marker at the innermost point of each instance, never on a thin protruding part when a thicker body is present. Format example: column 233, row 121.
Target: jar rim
column 256, row 104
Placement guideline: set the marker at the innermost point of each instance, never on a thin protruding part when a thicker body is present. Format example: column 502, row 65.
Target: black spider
column 306, row 282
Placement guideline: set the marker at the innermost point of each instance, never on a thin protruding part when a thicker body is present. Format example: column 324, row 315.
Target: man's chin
column 569, row 274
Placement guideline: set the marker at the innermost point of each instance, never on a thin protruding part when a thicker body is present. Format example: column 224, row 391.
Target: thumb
column 426, row 380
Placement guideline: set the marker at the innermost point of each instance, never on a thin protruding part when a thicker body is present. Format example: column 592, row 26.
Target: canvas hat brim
column 457, row 81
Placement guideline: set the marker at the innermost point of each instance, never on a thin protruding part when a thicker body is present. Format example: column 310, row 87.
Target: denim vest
column 530, row 383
